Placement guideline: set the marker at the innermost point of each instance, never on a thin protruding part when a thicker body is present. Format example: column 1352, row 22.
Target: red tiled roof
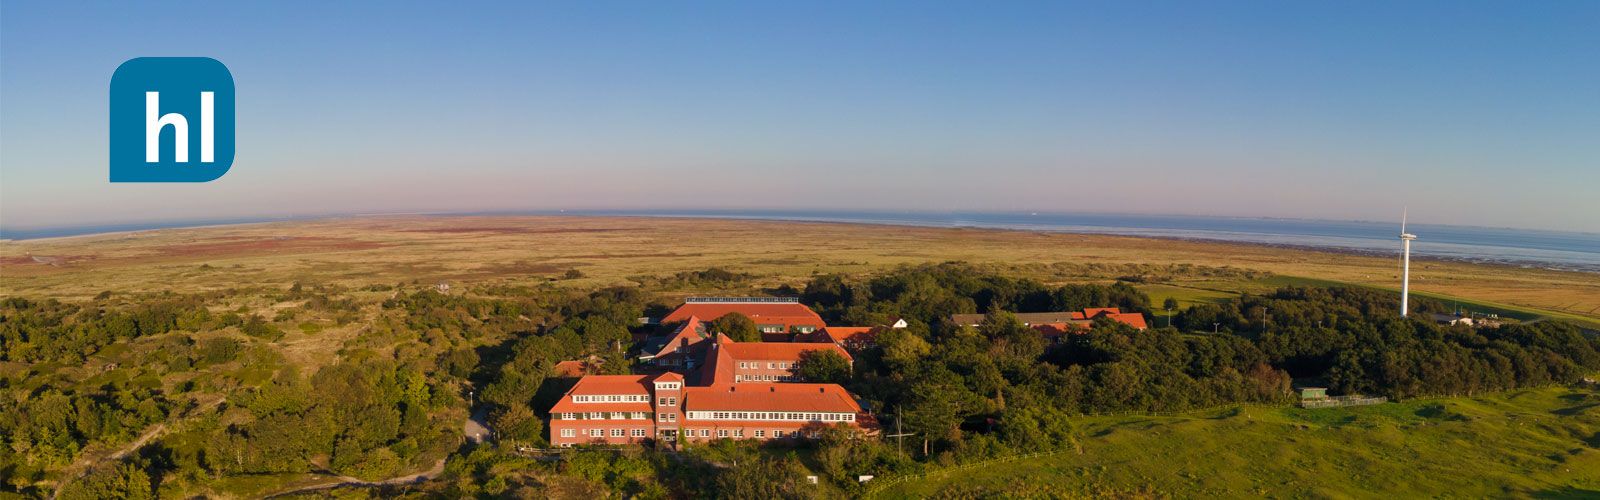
column 718, row 366
column 764, row 313
column 571, row 368
column 1095, row 312
column 610, row 384
column 565, row 405
column 786, row 397
column 1052, row 330
column 599, row 385
column 840, row 334
column 777, row 351
column 1135, row 320
column 688, row 333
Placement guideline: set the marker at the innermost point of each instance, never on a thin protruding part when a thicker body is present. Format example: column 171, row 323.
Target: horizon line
column 100, row 228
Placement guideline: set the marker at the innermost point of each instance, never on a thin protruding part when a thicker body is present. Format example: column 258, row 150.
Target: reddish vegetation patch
column 630, row 255
column 41, row 260
column 520, row 230
column 275, row 245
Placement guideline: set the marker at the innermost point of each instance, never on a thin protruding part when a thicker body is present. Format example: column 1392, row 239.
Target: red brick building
column 741, row 362
column 1056, row 326
column 728, row 401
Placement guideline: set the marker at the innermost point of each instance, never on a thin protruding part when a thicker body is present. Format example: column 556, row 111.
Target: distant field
column 620, row 250
column 1541, row 443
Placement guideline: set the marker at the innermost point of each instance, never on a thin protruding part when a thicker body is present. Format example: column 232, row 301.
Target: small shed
column 1313, row 393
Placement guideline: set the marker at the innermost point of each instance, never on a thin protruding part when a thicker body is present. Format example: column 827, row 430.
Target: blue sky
column 1484, row 113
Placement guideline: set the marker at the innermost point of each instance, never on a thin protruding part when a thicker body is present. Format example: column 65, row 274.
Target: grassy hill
column 1542, row 443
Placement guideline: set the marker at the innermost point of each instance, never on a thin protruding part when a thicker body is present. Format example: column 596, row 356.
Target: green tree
column 823, row 366
column 737, row 326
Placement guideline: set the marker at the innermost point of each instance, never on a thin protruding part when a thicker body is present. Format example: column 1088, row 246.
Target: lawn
column 1527, row 443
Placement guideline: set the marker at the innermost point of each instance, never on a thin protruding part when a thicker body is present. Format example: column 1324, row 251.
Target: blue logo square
column 171, row 120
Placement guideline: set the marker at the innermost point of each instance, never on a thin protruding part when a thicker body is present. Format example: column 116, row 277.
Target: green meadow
column 1539, row 443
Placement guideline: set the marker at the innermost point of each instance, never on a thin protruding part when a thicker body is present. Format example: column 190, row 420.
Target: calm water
column 1553, row 249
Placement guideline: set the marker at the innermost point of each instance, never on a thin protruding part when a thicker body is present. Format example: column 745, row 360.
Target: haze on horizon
column 1471, row 113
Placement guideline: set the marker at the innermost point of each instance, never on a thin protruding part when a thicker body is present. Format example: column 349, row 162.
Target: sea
column 1562, row 250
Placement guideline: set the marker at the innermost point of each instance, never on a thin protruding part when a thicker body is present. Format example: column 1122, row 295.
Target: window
column 743, row 365
column 617, row 415
column 597, row 416
column 661, row 401
column 738, row 433
column 661, row 416
column 638, row 433
column 566, row 433
column 722, row 433
column 616, row 433
column 639, row 415
column 761, row 433
column 705, row 433
column 672, row 417
column 672, row 401
column 597, row 432
column 569, row 416
column 777, row 434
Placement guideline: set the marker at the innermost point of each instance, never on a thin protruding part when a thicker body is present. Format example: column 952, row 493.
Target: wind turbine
column 1405, row 266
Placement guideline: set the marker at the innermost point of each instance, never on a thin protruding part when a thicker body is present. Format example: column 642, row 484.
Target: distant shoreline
column 1589, row 263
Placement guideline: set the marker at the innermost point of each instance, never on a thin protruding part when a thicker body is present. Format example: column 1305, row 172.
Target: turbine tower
column 1405, row 266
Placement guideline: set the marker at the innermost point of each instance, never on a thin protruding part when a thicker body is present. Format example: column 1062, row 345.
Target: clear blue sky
column 1483, row 113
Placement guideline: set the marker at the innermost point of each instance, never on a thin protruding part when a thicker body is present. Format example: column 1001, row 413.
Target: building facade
column 740, row 391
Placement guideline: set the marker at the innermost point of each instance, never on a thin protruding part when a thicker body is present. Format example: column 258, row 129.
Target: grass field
column 1541, row 443
column 620, row 250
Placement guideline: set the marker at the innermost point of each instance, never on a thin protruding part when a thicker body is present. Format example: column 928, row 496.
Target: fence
column 1338, row 401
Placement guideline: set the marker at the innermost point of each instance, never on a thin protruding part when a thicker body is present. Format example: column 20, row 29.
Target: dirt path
column 347, row 481
column 89, row 461
column 476, row 430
